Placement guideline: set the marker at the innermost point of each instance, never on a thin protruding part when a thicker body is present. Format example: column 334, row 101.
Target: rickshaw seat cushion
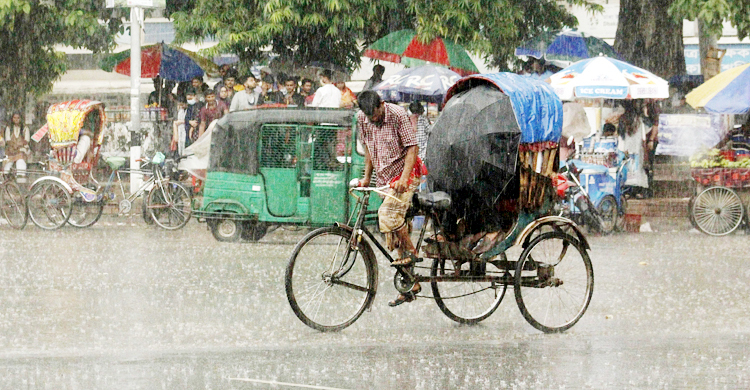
column 438, row 201
column 115, row 162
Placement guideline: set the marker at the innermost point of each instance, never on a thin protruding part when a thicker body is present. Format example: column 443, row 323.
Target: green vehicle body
column 280, row 166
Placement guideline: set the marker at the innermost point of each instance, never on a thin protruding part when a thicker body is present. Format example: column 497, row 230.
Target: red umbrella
column 403, row 47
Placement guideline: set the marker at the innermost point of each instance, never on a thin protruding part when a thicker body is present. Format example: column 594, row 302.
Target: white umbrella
column 608, row 78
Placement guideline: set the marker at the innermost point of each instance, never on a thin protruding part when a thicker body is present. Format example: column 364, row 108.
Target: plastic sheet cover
column 537, row 108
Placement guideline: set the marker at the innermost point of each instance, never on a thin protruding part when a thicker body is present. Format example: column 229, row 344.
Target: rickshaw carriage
column 276, row 167
column 492, row 156
column 76, row 130
column 66, row 123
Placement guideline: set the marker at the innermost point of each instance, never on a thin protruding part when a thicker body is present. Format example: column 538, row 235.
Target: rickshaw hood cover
column 234, row 141
column 472, row 150
column 538, row 110
column 64, row 121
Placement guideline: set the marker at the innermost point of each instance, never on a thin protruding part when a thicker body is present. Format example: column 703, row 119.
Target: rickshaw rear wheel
column 225, row 229
column 253, row 231
column 469, row 301
column 554, row 282
column 328, row 284
column 50, row 204
column 14, row 206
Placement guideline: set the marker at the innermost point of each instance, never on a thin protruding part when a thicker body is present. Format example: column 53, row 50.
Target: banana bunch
column 711, row 158
column 743, row 163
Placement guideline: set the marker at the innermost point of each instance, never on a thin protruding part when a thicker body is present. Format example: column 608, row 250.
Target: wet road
column 125, row 306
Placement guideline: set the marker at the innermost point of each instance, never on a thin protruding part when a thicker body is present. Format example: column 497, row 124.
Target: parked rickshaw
column 492, row 156
column 52, row 198
column 71, row 194
column 279, row 167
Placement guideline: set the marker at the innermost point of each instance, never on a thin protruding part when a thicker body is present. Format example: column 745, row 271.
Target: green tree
column 710, row 15
column 29, row 30
column 302, row 31
column 493, row 28
column 649, row 38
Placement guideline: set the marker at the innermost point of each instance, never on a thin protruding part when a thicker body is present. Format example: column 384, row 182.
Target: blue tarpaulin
column 537, row 108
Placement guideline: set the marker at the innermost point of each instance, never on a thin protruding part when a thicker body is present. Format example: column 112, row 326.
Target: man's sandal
column 410, row 259
column 405, row 297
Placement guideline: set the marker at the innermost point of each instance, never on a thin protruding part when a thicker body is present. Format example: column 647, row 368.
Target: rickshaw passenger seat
column 437, row 201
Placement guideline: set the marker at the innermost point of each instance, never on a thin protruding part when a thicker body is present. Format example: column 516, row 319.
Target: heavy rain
column 325, row 195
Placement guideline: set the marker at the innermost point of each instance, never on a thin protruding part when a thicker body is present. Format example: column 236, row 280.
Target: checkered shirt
column 387, row 143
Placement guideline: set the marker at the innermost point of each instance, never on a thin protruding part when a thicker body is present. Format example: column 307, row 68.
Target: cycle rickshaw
column 53, row 199
column 492, row 156
column 74, row 196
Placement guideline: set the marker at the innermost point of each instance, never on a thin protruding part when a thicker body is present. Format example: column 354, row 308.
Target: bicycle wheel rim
column 556, row 302
column 49, row 204
column 467, row 302
column 325, row 291
column 14, row 206
column 170, row 206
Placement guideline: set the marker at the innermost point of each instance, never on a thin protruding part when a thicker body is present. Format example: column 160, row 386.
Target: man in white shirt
column 327, row 95
column 246, row 98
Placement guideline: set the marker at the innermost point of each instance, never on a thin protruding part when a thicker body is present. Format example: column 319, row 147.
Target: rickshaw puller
column 391, row 150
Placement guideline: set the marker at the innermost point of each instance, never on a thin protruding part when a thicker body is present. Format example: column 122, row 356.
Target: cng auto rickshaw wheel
column 225, row 229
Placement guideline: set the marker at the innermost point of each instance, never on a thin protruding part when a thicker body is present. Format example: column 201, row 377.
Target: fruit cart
column 723, row 190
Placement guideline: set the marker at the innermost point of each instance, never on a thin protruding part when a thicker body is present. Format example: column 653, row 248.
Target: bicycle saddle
column 438, row 201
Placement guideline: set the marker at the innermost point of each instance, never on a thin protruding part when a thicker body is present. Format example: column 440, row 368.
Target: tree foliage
column 713, row 12
column 302, row 31
column 29, row 30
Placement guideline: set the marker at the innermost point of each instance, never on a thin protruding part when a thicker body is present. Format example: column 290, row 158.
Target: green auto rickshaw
column 272, row 167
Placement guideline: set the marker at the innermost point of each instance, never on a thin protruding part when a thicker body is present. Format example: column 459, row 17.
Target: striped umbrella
column 403, row 47
column 167, row 61
column 726, row 93
column 608, row 78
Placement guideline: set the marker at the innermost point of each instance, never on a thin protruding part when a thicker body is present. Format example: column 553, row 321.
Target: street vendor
column 391, row 151
column 15, row 139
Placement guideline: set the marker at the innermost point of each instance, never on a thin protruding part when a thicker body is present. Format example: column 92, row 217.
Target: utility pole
column 136, row 19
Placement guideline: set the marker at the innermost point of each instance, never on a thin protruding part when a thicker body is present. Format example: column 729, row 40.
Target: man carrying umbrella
column 391, row 150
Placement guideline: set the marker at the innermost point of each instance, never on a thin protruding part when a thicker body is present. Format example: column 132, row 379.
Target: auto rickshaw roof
column 338, row 117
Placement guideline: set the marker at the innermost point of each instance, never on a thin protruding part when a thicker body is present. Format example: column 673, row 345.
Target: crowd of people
column 194, row 105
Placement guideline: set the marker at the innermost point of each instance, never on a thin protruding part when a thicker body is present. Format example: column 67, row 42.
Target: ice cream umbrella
column 607, row 78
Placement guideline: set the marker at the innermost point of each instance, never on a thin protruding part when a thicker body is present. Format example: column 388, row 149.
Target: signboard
column 137, row 3
column 686, row 134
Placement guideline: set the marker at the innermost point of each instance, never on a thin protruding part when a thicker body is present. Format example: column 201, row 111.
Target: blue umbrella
column 562, row 48
column 424, row 83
